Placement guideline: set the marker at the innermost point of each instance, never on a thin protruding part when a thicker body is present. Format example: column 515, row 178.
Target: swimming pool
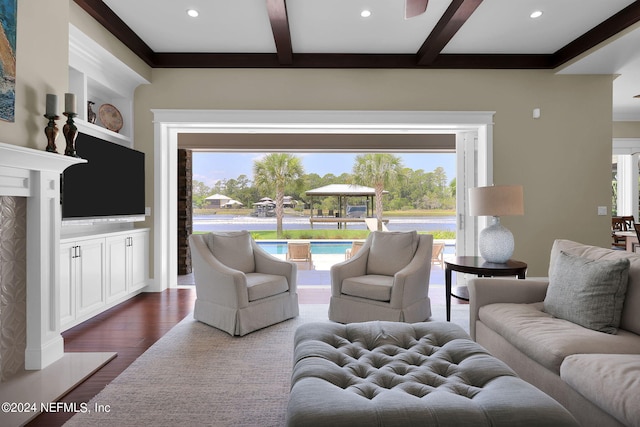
column 329, row 247
column 317, row 247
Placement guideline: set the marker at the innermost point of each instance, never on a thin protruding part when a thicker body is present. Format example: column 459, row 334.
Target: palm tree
column 274, row 172
column 378, row 170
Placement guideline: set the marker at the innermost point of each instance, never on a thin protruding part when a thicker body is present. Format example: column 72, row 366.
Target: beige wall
column 42, row 58
column 563, row 159
column 626, row 129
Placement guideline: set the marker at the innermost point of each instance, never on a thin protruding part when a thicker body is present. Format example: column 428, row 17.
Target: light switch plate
column 602, row 210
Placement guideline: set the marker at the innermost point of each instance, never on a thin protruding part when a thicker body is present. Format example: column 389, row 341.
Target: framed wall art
column 8, row 23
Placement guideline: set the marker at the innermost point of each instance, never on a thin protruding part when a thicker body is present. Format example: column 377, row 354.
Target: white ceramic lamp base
column 496, row 243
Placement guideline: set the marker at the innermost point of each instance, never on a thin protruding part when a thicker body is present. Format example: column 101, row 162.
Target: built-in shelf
column 103, row 261
column 98, row 76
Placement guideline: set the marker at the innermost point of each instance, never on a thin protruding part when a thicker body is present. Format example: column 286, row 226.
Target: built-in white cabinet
column 82, row 278
column 100, row 271
column 127, row 264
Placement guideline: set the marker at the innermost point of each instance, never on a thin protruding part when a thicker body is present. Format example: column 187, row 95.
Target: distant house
column 216, row 201
column 289, row 202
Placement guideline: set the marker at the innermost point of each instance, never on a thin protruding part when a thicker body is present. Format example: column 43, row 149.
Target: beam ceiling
column 428, row 56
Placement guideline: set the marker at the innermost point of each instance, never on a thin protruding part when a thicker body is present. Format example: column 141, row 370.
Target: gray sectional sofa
column 575, row 335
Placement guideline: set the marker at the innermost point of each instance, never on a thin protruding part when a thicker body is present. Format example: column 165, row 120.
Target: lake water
column 219, row 222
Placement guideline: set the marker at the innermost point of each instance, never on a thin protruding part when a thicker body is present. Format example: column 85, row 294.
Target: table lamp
column 496, row 242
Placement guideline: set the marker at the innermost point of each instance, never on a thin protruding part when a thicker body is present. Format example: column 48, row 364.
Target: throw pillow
column 587, row 292
column 391, row 251
column 233, row 249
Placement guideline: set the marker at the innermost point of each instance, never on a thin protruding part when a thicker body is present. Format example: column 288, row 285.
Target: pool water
column 325, row 248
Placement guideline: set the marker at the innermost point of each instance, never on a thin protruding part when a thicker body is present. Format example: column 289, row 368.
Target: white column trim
column 628, row 152
column 25, row 172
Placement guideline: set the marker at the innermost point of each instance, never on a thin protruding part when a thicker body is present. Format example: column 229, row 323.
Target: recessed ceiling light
column 365, row 13
column 536, row 14
column 193, row 13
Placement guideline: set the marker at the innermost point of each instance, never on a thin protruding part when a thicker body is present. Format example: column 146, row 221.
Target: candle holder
column 51, row 131
column 70, row 132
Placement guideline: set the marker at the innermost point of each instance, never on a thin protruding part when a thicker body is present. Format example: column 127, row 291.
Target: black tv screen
column 110, row 184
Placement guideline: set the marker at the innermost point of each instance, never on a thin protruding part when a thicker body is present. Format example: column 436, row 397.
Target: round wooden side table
column 481, row 268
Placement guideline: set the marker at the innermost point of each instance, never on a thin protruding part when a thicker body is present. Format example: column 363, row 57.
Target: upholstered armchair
column 239, row 286
column 388, row 279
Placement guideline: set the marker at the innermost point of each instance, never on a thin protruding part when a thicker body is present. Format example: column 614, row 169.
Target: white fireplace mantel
column 35, row 174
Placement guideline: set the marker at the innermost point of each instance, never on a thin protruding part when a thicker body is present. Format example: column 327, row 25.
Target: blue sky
column 211, row 167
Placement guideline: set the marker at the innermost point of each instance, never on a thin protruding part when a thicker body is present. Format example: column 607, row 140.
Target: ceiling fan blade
column 414, row 8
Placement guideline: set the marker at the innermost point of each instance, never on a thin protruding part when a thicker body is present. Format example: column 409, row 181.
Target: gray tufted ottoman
column 399, row 374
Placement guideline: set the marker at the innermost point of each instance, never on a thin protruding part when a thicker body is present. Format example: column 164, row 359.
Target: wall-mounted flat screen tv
column 110, row 185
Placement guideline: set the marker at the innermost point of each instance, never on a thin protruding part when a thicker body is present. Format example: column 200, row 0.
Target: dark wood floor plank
column 128, row 329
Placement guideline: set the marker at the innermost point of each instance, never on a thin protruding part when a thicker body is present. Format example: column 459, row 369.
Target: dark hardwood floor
column 128, row 329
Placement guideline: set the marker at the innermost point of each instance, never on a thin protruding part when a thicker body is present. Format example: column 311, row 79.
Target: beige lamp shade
column 497, row 200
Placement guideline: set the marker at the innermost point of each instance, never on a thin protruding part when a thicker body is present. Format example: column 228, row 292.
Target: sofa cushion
column 391, row 251
column 610, row 381
column 372, row 286
column 630, row 319
column 548, row 340
column 587, row 292
column 233, row 249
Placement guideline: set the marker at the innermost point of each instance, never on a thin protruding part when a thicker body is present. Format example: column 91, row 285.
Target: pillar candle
column 52, row 105
column 70, row 103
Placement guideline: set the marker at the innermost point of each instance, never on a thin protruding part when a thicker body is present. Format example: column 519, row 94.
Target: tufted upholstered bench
column 398, row 374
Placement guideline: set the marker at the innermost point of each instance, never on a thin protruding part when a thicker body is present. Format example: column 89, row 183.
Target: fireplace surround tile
column 13, row 284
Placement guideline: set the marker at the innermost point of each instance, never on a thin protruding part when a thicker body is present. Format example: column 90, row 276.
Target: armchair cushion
column 260, row 285
column 390, row 252
column 233, row 249
column 373, row 286
column 587, row 292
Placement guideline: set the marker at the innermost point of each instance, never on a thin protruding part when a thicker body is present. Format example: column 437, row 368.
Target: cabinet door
column 139, row 259
column 116, row 267
column 67, row 284
column 90, row 285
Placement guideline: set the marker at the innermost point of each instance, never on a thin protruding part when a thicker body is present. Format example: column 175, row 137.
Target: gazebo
column 343, row 192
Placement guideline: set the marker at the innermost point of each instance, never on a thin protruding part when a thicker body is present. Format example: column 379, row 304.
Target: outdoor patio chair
column 437, row 254
column 356, row 245
column 388, row 279
column 300, row 253
column 239, row 286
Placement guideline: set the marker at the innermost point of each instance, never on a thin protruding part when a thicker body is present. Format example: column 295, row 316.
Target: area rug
column 196, row 375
